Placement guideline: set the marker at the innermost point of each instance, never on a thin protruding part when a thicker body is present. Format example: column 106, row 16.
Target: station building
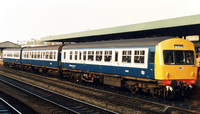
column 7, row 44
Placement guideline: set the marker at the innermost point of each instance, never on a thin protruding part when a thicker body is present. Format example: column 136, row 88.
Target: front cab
column 175, row 62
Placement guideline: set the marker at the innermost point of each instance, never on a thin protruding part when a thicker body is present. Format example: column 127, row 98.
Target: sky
column 22, row 20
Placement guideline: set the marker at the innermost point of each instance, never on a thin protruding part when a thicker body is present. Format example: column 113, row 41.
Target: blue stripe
column 126, row 71
column 40, row 62
column 11, row 60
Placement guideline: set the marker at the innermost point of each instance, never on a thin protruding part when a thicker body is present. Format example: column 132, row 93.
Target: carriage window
column 54, row 55
column 47, row 55
column 126, row 56
column 91, row 55
column 108, row 56
column 35, row 54
column 70, row 55
column 84, row 55
column 41, row 55
column 51, row 55
column 32, row 54
column 116, row 56
column 16, row 54
column 9, row 54
column 4, row 54
column 76, row 55
column 38, row 55
column 27, row 54
column 44, row 54
column 139, row 56
column 99, row 55
column 80, row 55
column 152, row 56
column 64, row 55
column 24, row 54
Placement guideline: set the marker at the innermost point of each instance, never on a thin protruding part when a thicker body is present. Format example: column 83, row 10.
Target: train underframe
column 134, row 84
column 156, row 88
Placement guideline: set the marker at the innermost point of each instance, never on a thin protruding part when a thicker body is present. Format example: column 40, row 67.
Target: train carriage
column 41, row 57
column 157, row 65
column 12, row 56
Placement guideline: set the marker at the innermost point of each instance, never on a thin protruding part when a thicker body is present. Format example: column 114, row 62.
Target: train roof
column 119, row 43
column 49, row 47
column 13, row 49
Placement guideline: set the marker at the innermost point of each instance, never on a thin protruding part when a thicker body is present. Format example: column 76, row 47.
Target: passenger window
column 24, row 54
column 70, row 55
column 64, row 55
column 35, row 55
column 152, row 55
column 108, row 56
column 47, row 55
column 16, row 54
column 126, row 56
column 9, row 55
column 116, row 56
column 84, row 55
column 31, row 54
column 99, row 55
column 38, row 55
column 139, row 56
column 90, row 55
column 51, row 55
column 80, row 54
column 27, row 55
column 76, row 55
column 43, row 55
column 4, row 54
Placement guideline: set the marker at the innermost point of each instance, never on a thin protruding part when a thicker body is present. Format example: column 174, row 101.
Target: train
column 161, row 65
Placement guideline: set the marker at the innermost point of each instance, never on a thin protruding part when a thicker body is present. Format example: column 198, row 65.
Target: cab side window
column 152, row 57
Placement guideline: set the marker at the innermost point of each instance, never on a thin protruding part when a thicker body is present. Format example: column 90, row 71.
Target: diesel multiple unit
column 164, row 66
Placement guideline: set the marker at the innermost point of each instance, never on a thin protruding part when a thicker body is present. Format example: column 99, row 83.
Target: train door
column 59, row 56
column 116, row 58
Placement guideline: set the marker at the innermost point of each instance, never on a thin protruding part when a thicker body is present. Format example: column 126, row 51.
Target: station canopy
column 176, row 27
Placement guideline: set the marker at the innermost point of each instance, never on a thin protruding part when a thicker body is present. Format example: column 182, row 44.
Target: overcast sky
column 26, row 19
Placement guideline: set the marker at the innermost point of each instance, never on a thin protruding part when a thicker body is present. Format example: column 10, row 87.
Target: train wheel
column 156, row 93
column 133, row 89
column 169, row 94
column 22, row 67
column 187, row 92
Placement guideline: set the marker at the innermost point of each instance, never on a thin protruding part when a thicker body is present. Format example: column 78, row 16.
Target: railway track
column 6, row 108
column 65, row 103
column 118, row 100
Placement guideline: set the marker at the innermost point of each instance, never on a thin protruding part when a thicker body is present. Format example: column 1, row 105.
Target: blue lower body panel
column 125, row 71
column 40, row 62
column 11, row 60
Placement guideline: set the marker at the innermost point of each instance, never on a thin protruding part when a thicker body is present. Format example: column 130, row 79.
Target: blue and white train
column 155, row 65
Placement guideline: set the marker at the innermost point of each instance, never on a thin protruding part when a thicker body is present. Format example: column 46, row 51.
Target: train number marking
column 73, row 66
column 126, row 70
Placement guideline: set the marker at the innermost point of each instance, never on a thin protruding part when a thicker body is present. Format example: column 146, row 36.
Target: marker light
column 192, row 74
